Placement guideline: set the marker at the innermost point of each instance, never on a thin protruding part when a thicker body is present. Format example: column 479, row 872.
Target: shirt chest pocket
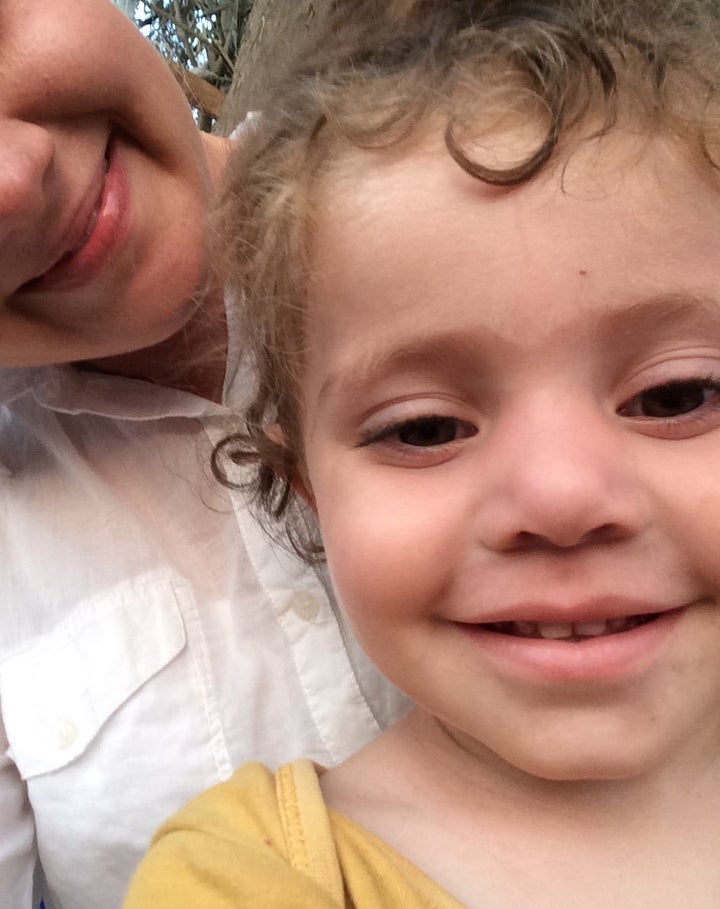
column 58, row 694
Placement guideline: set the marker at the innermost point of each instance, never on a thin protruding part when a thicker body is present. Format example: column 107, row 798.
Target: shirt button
column 305, row 605
column 66, row 734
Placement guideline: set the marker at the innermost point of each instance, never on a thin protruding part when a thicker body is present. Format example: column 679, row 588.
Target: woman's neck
column 194, row 359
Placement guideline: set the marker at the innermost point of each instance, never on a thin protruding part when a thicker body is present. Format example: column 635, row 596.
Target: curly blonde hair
column 378, row 72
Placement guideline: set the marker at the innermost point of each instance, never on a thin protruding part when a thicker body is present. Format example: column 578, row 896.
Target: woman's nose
column 560, row 477
column 26, row 153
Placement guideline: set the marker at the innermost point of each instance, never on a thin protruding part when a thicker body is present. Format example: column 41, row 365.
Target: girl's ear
column 296, row 477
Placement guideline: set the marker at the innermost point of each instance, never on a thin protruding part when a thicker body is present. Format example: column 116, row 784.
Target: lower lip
column 605, row 658
column 108, row 234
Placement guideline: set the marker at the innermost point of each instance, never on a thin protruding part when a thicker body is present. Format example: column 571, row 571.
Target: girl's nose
column 26, row 153
column 560, row 477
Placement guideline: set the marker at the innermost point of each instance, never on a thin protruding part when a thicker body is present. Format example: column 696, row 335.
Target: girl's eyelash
column 675, row 410
column 395, row 427
column 380, row 433
column 428, row 427
column 376, row 435
column 710, row 383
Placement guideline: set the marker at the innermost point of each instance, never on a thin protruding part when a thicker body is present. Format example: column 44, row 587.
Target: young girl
column 480, row 252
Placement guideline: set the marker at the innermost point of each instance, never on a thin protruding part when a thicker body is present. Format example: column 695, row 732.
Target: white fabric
column 151, row 639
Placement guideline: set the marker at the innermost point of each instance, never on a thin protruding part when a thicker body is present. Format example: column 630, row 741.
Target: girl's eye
column 429, row 431
column 422, row 432
column 674, row 399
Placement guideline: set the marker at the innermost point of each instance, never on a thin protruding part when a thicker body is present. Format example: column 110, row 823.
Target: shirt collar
column 71, row 390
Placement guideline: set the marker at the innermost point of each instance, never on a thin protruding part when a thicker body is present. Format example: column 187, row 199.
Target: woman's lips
column 104, row 232
column 575, row 657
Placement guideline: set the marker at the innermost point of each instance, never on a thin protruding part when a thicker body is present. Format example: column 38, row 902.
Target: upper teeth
column 564, row 630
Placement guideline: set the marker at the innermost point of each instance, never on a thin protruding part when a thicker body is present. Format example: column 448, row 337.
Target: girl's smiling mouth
column 570, row 631
column 585, row 650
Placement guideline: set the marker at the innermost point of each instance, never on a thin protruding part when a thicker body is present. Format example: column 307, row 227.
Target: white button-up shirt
column 151, row 638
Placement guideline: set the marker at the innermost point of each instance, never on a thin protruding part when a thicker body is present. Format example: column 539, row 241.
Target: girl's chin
column 588, row 756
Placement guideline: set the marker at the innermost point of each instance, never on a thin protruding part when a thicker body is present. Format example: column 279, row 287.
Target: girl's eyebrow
column 661, row 312
column 455, row 352
column 452, row 351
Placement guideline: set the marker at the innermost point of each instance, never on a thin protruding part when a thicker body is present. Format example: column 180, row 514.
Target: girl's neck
column 495, row 837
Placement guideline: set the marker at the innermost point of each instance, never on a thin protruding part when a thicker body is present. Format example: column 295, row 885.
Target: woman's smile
column 101, row 232
column 104, row 188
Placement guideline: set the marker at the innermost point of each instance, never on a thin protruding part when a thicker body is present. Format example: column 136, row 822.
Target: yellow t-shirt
column 268, row 841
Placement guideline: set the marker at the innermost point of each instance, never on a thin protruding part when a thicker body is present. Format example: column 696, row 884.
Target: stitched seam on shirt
column 201, row 662
column 331, row 740
column 313, row 853
column 88, row 610
column 291, row 820
column 343, row 631
column 241, row 511
column 281, row 621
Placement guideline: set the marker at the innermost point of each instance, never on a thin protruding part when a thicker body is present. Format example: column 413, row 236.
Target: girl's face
column 103, row 187
column 512, row 431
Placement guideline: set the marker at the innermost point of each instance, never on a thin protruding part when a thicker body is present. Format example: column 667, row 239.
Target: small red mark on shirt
column 267, row 841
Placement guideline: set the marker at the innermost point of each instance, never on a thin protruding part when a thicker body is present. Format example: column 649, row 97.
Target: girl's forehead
column 361, row 186
column 416, row 243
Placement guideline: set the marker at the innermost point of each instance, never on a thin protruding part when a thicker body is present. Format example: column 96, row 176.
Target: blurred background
column 224, row 52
